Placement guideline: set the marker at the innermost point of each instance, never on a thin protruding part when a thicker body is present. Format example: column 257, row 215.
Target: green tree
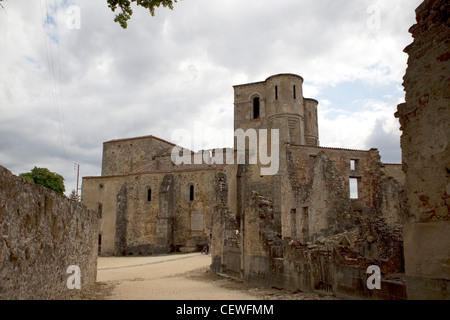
column 126, row 11
column 45, row 178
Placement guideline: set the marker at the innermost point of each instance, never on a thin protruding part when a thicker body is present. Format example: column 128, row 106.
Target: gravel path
column 176, row 277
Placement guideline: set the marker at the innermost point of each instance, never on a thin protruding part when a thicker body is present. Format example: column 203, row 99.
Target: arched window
column 276, row 92
column 149, row 194
column 256, row 108
column 191, row 193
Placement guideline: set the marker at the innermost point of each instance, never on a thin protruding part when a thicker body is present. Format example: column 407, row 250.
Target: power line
column 51, row 67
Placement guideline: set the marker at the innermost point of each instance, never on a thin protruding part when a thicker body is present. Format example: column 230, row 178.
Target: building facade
column 329, row 203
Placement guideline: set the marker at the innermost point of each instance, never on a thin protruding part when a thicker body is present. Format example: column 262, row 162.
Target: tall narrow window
column 191, row 193
column 99, row 210
column 294, row 92
column 353, row 165
column 276, row 92
column 100, row 243
column 354, row 188
column 149, row 195
column 256, row 108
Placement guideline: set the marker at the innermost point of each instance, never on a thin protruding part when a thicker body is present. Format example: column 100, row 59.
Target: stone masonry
column 315, row 223
column 42, row 234
column 425, row 142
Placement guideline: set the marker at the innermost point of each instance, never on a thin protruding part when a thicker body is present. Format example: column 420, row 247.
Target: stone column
column 164, row 226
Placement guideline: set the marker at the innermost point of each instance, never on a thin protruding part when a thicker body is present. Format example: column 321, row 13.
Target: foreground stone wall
column 425, row 126
column 42, row 234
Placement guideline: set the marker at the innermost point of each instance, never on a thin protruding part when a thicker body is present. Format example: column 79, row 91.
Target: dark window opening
column 99, row 243
column 256, row 108
column 99, row 210
column 295, row 93
column 191, row 193
column 149, row 195
column 276, row 92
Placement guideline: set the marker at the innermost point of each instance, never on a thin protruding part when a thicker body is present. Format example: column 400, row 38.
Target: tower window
column 149, row 195
column 276, row 92
column 256, row 109
column 294, row 92
column 191, row 193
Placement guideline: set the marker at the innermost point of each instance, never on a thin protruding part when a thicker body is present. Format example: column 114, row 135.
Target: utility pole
column 77, row 167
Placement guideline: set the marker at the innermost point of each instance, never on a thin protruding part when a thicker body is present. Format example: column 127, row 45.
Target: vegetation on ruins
column 45, row 178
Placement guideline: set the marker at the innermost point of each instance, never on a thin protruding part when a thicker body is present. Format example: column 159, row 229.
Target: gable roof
column 142, row 137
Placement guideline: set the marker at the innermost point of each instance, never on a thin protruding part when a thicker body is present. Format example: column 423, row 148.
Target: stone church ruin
column 326, row 215
column 316, row 224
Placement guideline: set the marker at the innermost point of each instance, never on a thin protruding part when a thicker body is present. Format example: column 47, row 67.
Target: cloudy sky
column 71, row 78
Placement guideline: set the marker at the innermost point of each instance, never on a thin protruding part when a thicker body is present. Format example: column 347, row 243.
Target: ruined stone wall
column 43, row 233
column 425, row 126
column 226, row 246
column 316, row 193
column 100, row 194
column 395, row 171
column 262, row 246
column 343, row 236
column 366, row 166
column 129, row 222
column 125, row 155
column 187, row 232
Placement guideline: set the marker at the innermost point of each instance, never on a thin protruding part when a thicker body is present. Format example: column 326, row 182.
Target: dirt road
column 176, row 277
column 170, row 277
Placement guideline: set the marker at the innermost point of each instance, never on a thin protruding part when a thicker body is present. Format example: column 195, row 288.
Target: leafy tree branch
column 125, row 8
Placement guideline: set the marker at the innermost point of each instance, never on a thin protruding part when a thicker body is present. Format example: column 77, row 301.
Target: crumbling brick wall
column 42, row 234
column 425, row 126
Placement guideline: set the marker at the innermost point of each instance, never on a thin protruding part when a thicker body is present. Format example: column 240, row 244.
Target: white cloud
column 64, row 92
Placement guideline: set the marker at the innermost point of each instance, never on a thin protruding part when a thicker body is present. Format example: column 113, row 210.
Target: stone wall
column 425, row 126
column 301, row 230
column 334, row 264
column 102, row 192
column 42, row 234
column 315, row 190
column 125, row 155
column 132, row 223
